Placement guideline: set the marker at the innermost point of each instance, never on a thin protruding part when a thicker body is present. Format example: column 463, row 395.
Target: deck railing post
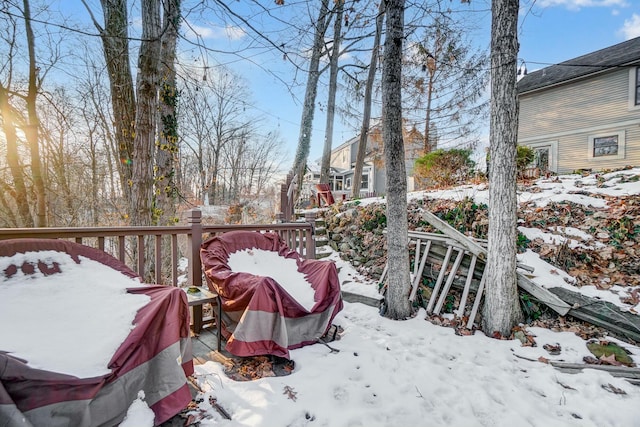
column 310, row 217
column 194, row 219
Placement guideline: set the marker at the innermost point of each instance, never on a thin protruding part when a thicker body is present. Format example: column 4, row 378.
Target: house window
column 347, row 184
column 607, row 145
column 545, row 155
column 364, row 185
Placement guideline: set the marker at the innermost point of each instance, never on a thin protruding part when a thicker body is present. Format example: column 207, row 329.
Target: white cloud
column 631, row 27
column 198, row 31
column 234, row 33
column 578, row 4
column 215, row 32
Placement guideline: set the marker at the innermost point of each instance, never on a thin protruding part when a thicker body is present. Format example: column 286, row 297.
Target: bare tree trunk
column 33, row 123
column 115, row 43
column 399, row 281
column 8, row 217
column 166, row 190
column 146, row 115
column 428, row 144
column 333, row 88
column 368, row 91
column 19, row 193
column 501, row 309
column 308, row 109
column 93, row 159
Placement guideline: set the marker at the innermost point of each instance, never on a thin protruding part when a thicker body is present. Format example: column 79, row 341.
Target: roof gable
column 621, row 54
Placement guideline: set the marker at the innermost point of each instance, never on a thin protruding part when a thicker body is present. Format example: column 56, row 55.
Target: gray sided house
column 584, row 113
column 343, row 160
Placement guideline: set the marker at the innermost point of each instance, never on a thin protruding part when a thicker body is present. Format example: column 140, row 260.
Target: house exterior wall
column 567, row 117
column 380, row 181
column 341, row 157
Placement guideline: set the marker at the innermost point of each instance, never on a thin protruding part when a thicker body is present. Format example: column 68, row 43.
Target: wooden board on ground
column 542, row 294
column 601, row 313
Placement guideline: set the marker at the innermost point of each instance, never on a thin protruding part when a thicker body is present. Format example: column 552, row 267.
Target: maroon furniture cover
column 258, row 316
column 155, row 357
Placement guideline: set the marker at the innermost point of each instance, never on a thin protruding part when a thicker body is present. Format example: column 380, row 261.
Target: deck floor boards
column 204, row 344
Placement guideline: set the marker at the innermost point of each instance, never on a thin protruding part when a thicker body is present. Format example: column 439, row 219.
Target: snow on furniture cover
column 154, row 358
column 259, row 316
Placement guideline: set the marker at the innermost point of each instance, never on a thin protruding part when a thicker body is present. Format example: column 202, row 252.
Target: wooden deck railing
column 128, row 243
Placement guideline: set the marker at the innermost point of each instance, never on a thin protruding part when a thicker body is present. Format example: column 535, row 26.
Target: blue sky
column 558, row 30
column 551, row 31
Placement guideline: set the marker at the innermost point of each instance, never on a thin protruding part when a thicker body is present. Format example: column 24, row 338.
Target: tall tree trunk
column 33, row 123
column 368, row 93
column 308, row 109
column 429, row 146
column 501, row 309
column 167, row 150
column 115, row 43
column 19, row 192
column 399, row 281
column 146, row 115
column 95, row 187
column 8, row 218
column 333, row 88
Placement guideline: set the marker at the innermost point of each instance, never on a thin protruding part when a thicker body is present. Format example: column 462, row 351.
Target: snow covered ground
column 410, row 373
column 414, row 373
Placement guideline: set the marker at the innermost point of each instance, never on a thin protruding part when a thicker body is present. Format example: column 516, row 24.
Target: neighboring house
column 343, row 160
column 584, row 113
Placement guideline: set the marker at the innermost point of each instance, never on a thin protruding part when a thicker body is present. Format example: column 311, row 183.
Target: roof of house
column 619, row 55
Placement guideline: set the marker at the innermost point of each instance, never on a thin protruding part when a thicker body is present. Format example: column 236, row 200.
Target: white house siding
column 380, row 181
column 341, row 158
column 570, row 113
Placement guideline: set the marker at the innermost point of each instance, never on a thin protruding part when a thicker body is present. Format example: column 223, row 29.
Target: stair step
column 320, row 255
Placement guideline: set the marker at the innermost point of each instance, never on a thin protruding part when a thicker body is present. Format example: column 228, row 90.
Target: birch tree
column 501, row 309
column 398, row 282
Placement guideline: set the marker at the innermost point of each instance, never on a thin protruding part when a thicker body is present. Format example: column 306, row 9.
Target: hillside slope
column 581, row 232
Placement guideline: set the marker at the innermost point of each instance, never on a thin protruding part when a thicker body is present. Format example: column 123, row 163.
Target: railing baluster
column 158, row 254
column 174, row 260
column 121, row 248
column 141, row 256
column 101, row 243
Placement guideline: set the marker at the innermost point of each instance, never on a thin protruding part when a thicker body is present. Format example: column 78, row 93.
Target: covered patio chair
column 155, row 357
column 259, row 316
